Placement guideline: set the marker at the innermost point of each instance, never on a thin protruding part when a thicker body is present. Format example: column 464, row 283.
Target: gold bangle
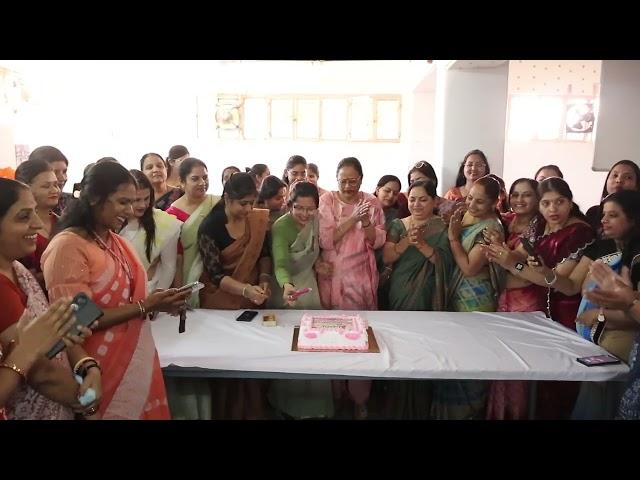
column 143, row 309
column 81, row 361
column 15, row 368
column 244, row 290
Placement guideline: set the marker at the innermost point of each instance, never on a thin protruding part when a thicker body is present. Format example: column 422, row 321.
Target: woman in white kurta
column 158, row 252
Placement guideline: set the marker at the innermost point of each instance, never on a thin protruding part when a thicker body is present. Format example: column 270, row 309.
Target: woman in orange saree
column 88, row 257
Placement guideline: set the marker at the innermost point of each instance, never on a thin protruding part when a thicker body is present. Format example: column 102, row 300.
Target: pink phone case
column 298, row 293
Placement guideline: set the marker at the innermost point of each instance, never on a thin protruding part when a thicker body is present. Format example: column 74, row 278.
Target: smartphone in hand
column 86, row 313
column 298, row 293
column 529, row 248
column 193, row 287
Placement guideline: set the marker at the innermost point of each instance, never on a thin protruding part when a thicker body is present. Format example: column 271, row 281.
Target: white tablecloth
column 508, row 346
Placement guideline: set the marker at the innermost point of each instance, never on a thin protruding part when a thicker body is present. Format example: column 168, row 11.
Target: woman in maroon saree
column 559, row 248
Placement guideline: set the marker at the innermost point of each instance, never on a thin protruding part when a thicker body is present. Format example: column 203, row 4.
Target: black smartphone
column 526, row 244
column 86, row 313
column 247, row 316
column 595, row 360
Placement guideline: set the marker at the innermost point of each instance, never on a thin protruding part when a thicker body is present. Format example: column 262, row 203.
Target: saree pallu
column 166, row 234
column 466, row 399
column 416, row 283
column 303, row 253
column 168, row 198
column 239, row 261
column 192, row 262
column 26, row 403
column 132, row 383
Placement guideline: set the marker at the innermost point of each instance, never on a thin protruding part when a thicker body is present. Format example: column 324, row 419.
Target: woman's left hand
column 500, row 254
column 93, row 379
column 415, row 236
column 266, row 286
column 455, row 224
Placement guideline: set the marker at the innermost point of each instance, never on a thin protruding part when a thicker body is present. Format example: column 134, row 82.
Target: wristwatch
column 519, row 267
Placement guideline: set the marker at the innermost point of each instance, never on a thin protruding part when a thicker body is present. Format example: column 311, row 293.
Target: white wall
column 522, row 159
column 422, row 134
column 91, row 109
column 474, row 117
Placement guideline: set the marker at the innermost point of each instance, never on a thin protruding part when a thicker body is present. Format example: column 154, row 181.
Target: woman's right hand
column 40, row 335
column 170, row 301
column 361, row 211
column 256, row 294
column 287, row 290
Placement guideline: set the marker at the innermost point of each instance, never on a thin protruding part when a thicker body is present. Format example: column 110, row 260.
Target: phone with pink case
column 298, row 293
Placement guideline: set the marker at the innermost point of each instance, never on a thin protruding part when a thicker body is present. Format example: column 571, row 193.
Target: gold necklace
column 121, row 259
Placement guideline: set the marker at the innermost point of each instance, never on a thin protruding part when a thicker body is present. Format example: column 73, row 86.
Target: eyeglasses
column 420, row 164
column 307, row 210
column 351, row 182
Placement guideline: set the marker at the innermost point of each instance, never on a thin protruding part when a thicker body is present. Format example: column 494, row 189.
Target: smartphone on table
column 597, row 360
column 247, row 316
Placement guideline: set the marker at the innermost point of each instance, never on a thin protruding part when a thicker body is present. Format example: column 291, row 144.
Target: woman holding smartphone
column 559, row 249
column 508, row 399
column 51, row 391
column 87, row 256
column 191, row 209
column 295, row 253
column 620, row 292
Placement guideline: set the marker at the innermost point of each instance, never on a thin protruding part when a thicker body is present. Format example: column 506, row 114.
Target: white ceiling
column 472, row 64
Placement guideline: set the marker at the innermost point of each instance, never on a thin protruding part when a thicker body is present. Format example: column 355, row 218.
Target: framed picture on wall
column 580, row 118
column 22, row 153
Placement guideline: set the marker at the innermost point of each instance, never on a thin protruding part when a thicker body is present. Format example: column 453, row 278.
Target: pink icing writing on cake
column 333, row 333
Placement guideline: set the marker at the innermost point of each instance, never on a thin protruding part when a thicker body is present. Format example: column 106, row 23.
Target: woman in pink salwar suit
column 351, row 228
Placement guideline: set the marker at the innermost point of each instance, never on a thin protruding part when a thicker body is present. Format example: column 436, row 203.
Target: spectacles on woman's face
column 301, row 209
column 349, row 182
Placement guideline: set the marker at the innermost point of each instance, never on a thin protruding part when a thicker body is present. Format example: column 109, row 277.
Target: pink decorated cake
column 333, row 333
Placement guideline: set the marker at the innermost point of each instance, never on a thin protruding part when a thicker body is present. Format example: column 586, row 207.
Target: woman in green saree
column 418, row 249
column 192, row 208
column 474, row 287
column 295, row 252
